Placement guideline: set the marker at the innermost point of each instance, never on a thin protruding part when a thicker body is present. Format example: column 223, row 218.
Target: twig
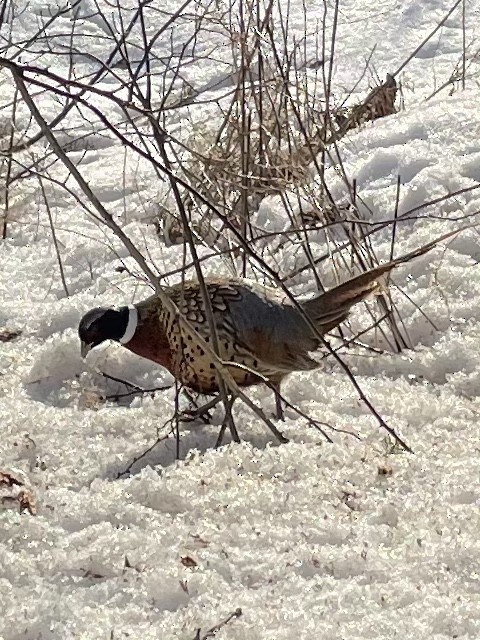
column 136, row 388
column 213, row 631
column 125, row 382
column 427, row 38
column 464, row 44
column 54, row 237
column 119, row 396
column 145, row 453
column 8, row 176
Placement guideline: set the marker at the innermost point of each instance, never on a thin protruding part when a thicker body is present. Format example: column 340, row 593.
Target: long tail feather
column 331, row 308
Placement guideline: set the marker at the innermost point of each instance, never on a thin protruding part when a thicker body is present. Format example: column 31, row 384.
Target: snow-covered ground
column 351, row 540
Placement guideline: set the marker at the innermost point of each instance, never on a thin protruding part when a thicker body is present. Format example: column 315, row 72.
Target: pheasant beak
column 85, row 348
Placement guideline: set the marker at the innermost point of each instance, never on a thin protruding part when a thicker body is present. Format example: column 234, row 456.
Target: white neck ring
column 131, row 325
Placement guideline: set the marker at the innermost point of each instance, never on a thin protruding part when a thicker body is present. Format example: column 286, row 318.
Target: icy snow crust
column 310, row 540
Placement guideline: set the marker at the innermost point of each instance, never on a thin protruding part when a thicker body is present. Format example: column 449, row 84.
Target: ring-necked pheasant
column 257, row 327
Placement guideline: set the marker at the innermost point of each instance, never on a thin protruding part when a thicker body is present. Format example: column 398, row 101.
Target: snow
column 351, row 540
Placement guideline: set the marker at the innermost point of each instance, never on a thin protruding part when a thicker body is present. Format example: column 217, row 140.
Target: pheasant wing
column 273, row 331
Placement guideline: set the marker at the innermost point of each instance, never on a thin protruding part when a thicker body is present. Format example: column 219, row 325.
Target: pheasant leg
column 279, row 413
column 228, row 423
